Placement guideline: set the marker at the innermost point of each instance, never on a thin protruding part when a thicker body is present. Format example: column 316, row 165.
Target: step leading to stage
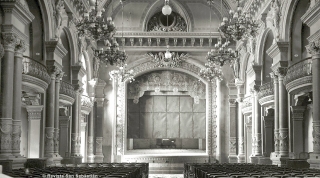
column 166, row 168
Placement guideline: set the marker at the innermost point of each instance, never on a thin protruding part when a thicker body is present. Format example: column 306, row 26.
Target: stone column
column 49, row 129
column 17, row 94
column 57, row 158
column 241, row 154
column 249, row 134
column 283, row 118
column 75, row 135
column 90, row 144
column 83, row 136
column 268, row 136
column 7, row 69
column 34, row 124
column 256, row 126
column 314, row 50
column 276, row 112
column 64, row 136
column 233, row 131
column 297, row 118
column 99, row 130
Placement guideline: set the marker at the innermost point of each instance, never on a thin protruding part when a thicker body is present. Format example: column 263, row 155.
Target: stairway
column 166, row 168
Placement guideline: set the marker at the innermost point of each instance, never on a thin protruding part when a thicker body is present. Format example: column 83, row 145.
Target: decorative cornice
column 298, row 112
column 267, row 101
column 14, row 30
column 315, row 36
column 65, row 100
column 167, row 35
column 34, row 112
column 34, row 84
column 18, row 9
column 300, row 84
column 312, row 15
column 56, row 47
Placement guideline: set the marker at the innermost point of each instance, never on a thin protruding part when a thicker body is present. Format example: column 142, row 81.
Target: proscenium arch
column 145, row 66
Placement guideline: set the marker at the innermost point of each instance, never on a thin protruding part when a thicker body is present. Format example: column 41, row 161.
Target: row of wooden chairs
column 95, row 170
column 211, row 170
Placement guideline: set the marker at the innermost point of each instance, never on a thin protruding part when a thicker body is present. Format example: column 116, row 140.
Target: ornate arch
column 72, row 39
column 88, row 64
column 47, row 11
column 287, row 10
column 143, row 66
column 261, row 45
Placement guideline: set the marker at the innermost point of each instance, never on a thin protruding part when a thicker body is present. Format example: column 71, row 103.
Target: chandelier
column 166, row 9
column 239, row 25
column 220, row 54
column 112, row 54
column 92, row 24
column 122, row 74
column 211, row 72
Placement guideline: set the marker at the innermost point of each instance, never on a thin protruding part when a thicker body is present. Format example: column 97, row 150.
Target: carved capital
column 59, row 75
column 20, row 47
column 232, row 101
column 53, row 68
column 100, row 102
column 9, row 40
column 297, row 112
column 281, row 71
column 314, row 47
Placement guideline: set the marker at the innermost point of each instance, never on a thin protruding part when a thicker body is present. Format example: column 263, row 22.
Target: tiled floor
column 166, row 176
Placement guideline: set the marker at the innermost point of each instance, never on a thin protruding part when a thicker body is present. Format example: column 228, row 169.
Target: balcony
column 86, row 104
column 266, row 94
column 35, row 77
column 67, row 93
column 299, row 76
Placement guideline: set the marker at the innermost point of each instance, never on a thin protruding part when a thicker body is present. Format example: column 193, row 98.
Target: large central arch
column 140, row 67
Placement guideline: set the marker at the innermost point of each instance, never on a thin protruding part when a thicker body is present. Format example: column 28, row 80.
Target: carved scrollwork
column 9, row 40
column 5, row 134
column 316, row 136
column 16, row 134
column 20, row 47
column 266, row 89
column 160, row 60
column 35, row 69
column 49, row 142
column 67, row 89
column 298, row 70
column 283, row 141
column 314, row 47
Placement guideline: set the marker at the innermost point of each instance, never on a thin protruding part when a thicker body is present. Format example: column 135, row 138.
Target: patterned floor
column 166, row 176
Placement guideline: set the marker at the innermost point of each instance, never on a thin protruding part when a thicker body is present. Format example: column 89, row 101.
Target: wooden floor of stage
column 165, row 175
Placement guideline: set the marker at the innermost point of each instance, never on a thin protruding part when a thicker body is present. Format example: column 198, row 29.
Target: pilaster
column 34, row 121
column 297, row 120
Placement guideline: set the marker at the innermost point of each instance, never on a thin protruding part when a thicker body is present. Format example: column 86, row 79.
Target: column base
column 241, row 158
column 90, row 158
column 265, row 161
column 279, row 160
column 254, row 159
column 18, row 162
column 233, row 159
column 314, row 161
column 57, row 160
column 98, row 158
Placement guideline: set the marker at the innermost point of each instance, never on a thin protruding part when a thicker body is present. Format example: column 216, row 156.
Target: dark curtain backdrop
column 166, row 117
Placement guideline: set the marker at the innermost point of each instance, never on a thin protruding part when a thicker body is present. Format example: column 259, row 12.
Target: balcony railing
column 35, row 69
column 298, row 70
column 266, row 89
column 67, row 89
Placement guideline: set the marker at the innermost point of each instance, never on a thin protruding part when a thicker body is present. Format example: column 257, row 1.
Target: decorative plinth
column 18, row 162
column 314, row 161
column 233, row 158
column 255, row 159
column 241, row 158
column 265, row 161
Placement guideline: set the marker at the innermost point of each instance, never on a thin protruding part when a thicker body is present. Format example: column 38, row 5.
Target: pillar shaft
column 233, row 131
column 34, row 118
column 99, row 126
column 257, row 125
column 90, row 144
column 316, row 102
column 276, row 112
column 283, row 116
column 75, row 135
column 56, row 114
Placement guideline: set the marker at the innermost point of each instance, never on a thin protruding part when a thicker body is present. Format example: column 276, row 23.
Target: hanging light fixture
column 166, row 9
column 112, row 54
column 121, row 74
column 220, row 54
column 167, row 55
column 92, row 24
column 211, row 72
column 239, row 25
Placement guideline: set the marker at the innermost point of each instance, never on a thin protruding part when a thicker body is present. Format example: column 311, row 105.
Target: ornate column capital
column 297, row 112
column 100, row 102
column 53, row 68
column 34, row 112
column 314, row 48
column 232, row 102
column 59, row 76
column 20, row 47
column 268, row 121
column 9, row 40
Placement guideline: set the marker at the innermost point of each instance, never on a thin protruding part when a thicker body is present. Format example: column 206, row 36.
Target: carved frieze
column 297, row 71
column 160, row 60
column 166, row 81
column 314, row 47
column 67, row 89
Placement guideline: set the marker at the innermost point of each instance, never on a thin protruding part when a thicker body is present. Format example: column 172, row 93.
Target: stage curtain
column 160, row 125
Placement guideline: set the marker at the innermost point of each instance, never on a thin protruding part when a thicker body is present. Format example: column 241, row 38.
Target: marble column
column 241, row 152
column 99, row 130
column 257, row 122
column 249, row 136
column 64, row 136
column 283, row 115
column 57, row 158
column 7, row 69
column 297, row 120
column 17, row 94
column 34, row 124
column 233, row 131
column 268, row 135
column 90, row 144
column 75, row 135
column 49, row 129
column 314, row 49
column 83, row 136
column 276, row 112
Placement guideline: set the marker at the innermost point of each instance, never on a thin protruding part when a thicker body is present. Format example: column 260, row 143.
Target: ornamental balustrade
column 67, row 89
column 299, row 75
column 35, row 69
column 266, row 89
